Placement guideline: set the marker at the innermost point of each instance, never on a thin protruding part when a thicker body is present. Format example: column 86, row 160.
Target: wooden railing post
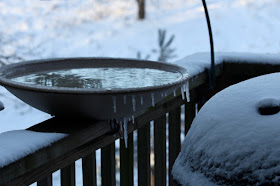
column 46, row 181
column 108, row 165
column 89, row 170
column 126, row 168
column 144, row 149
column 189, row 115
column 174, row 139
column 68, row 175
column 160, row 150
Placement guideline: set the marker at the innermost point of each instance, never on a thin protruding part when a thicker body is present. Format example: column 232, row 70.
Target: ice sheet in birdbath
column 101, row 78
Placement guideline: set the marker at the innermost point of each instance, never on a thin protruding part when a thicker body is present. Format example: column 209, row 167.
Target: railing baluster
column 46, row 181
column 160, row 150
column 174, row 139
column 108, row 165
column 144, row 149
column 189, row 115
column 126, row 169
column 89, row 170
column 68, row 175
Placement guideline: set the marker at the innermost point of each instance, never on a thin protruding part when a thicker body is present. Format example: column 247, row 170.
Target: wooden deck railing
column 85, row 137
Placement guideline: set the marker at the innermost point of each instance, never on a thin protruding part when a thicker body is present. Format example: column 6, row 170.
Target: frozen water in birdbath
column 101, row 78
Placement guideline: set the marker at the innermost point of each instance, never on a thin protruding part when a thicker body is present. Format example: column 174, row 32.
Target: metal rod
column 212, row 73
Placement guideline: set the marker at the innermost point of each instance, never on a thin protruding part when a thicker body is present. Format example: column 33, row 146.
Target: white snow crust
column 230, row 142
column 198, row 62
column 19, row 143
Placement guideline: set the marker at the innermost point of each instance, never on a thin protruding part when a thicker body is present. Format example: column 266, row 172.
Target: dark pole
column 212, row 73
column 141, row 9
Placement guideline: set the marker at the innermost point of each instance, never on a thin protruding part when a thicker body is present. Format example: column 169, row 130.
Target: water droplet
column 134, row 103
column 124, row 99
column 182, row 92
column 153, row 99
column 115, row 104
column 174, row 92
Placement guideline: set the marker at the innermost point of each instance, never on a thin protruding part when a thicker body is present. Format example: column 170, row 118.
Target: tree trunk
column 141, row 9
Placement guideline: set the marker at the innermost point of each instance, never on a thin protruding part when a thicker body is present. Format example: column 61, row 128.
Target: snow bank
column 19, row 143
column 197, row 62
column 230, row 142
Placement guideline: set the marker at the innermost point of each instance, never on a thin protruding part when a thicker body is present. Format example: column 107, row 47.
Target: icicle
column 141, row 100
column 174, row 92
column 187, row 91
column 125, row 131
column 182, row 92
column 153, row 99
column 165, row 94
column 133, row 121
column 162, row 95
column 134, row 103
column 124, row 99
column 115, row 104
column 196, row 109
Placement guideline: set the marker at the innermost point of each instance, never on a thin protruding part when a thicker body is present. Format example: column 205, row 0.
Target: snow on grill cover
column 230, row 142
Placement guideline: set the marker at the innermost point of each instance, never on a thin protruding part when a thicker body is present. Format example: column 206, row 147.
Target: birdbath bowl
column 93, row 88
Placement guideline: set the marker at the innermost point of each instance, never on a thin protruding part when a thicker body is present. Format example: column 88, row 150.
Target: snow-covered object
column 198, row 62
column 19, row 143
column 230, row 142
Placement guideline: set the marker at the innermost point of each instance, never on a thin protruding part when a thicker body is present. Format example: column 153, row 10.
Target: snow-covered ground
column 231, row 142
column 63, row 28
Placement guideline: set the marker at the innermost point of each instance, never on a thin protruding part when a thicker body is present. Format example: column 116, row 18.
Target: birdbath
column 93, row 88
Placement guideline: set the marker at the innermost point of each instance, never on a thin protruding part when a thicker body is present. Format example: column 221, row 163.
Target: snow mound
column 230, row 142
column 19, row 143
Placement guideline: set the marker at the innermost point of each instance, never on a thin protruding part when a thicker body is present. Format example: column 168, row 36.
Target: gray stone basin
column 93, row 103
